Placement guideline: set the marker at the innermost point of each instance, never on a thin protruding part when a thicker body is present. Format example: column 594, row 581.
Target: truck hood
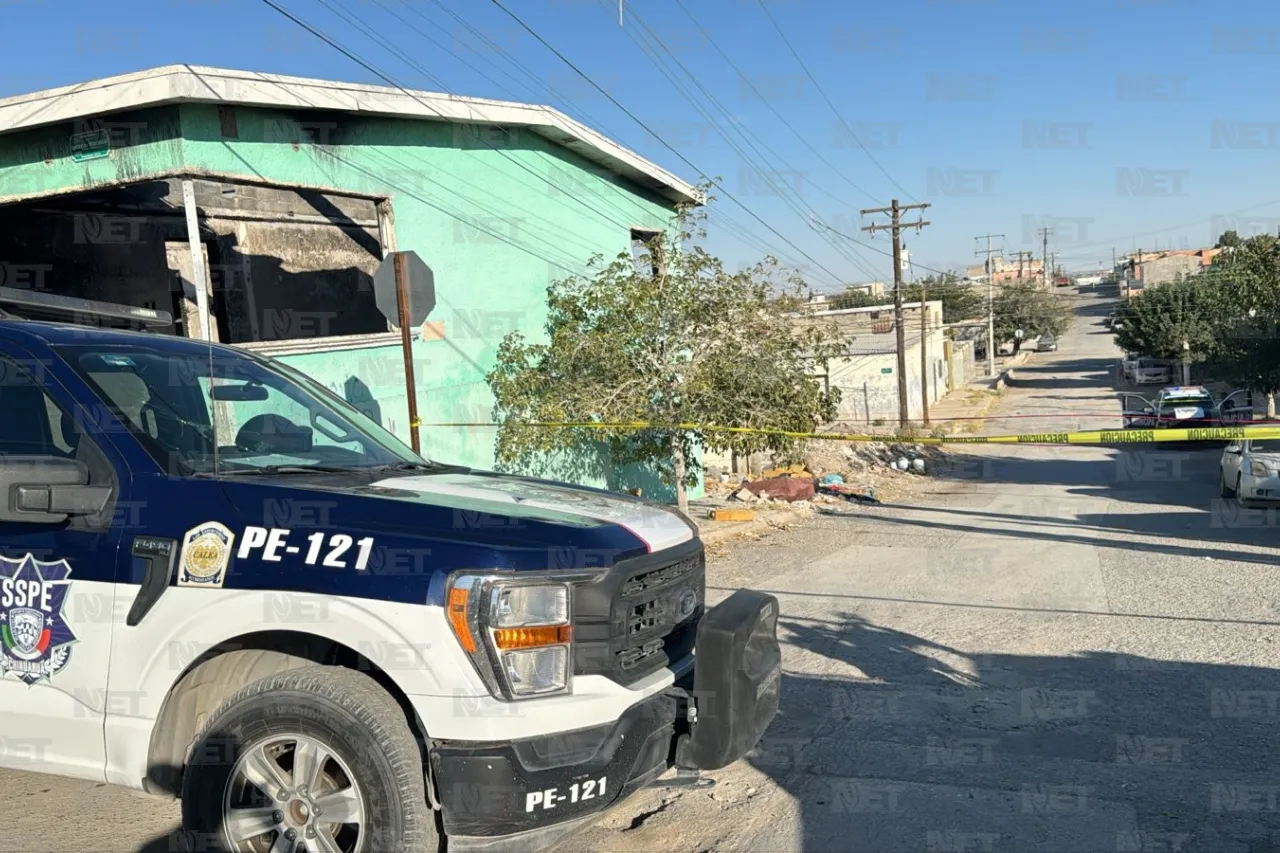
column 656, row 526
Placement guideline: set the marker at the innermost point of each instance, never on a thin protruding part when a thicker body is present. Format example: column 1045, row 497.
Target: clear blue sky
column 1119, row 123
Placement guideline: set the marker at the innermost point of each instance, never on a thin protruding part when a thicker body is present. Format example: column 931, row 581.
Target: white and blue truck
column 221, row 582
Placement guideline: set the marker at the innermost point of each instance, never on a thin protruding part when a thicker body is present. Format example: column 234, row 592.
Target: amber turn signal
column 458, row 618
column 509, row 639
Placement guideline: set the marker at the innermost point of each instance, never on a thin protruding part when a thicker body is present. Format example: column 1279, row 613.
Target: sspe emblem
column 35, row 642
column 206, row 551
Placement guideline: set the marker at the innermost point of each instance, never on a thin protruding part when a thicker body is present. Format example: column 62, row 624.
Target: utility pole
column 1044, row 273
column 924, row 355
column 991, row 305
column 1023, row 256
column 895, row 211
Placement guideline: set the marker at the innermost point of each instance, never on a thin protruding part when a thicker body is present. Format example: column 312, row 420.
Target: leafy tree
column 1160, row 320
column 854, row 298
column 1030, row 308
column 959, row 300
column 1247, row 280
column 686, row 343
column 1228, row 240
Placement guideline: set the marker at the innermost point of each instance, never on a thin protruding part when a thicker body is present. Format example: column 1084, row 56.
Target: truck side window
column 32, row 424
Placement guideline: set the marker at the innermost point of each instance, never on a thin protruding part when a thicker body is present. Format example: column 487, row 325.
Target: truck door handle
column 159, row 555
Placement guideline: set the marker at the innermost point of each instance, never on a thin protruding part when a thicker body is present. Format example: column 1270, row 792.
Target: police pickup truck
column 1183, row 407
column 221, row 582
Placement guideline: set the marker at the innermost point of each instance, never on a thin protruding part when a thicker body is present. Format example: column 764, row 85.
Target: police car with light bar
column 220, row 582
column 1181, row 407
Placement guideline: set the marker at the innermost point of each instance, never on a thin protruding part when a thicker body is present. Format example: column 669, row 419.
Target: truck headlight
column 517, row 632
column 1258, row 469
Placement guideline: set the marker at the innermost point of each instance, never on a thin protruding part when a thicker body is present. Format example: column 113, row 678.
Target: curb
column 763, row 523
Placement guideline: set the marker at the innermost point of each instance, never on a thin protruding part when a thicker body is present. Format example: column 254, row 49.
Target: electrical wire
column 777, row 113
column 883, row 251
column 409, row 61
column 738, row 231
column 559, row 55
column 759, row 167
column 764, row 7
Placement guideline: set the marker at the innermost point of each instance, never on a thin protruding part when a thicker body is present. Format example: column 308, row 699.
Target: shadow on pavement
column 1256, row 529
column 934, row 749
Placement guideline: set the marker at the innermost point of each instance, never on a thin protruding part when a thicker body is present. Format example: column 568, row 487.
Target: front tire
column 317, row 759
column 1226, row 491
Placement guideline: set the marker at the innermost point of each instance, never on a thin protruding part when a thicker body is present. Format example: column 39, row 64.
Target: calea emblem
column 206, row 551
column 35, row 642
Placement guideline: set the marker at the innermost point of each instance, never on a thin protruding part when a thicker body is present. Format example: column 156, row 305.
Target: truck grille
column 641, row 616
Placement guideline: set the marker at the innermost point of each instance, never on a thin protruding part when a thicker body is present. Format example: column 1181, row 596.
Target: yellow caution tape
column 1115, row 436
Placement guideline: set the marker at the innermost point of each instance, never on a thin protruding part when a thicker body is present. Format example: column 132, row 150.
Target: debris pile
column 834, row 472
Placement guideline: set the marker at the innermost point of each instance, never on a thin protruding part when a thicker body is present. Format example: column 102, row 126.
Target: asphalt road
column 1064, row 649
column 1068, row 649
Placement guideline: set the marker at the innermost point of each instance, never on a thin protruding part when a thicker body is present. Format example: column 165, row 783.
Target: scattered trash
column 849, row 493
column 917, row 465
column 783, row 488
column 832, row 479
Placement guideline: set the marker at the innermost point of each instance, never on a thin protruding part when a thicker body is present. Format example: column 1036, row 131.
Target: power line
column 1107, row 242
column 882, row 251
column 747, row 137
column 665, row 144
column 382, row 75
column 895, row 227
column 991, row 303
column 742, row 76
column 816, row 85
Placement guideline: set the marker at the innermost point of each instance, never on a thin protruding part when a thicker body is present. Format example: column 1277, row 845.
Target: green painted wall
column 143, row 144
column 496, row 214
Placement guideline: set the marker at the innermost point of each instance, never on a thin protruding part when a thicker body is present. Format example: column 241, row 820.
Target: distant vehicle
column 1062, row 281
column 1250, row 470
column 1182, row 407
column 1127, row 364
column 1151, row 371
column 1047, row 343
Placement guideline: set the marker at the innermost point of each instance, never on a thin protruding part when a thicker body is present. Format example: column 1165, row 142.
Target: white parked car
column 1151, row 371
column 1251, row 470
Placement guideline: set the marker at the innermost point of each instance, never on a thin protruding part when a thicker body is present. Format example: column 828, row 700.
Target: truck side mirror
column 47, row 490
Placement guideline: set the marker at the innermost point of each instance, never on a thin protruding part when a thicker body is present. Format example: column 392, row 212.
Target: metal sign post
column 405, row 291
column 410, row 385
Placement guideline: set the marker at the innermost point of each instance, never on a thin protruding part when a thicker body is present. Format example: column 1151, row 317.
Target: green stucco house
column 288, row 191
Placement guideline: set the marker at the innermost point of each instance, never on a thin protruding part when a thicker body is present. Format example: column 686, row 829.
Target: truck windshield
column 268, row 418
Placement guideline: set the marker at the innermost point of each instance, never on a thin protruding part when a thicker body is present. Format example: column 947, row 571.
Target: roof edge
column 203, row 84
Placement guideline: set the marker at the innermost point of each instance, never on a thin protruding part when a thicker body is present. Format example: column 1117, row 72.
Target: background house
column 867, row 373
column 297, row 189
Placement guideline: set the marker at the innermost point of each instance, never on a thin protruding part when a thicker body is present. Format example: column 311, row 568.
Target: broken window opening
column 649, row 251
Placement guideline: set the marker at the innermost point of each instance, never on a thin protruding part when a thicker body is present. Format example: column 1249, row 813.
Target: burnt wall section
column 292, row 264
column 284, row 264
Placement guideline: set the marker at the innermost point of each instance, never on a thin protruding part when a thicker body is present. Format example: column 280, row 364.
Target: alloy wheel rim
column 291, row 793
